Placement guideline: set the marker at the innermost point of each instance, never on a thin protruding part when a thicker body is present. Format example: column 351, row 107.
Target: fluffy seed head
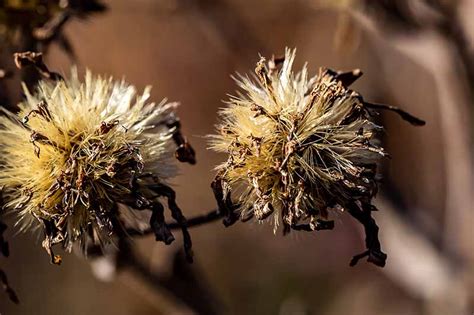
column 75, row 150
column 298, row 146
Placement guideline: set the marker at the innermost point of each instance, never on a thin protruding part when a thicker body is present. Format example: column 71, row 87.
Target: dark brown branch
column 209, row 217
column 403, row 114
column 215, row 215
column 321, row 225
column 200, row 219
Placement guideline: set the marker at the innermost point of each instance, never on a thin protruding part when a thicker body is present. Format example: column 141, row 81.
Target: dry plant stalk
column 80, row 148
column 300, row 148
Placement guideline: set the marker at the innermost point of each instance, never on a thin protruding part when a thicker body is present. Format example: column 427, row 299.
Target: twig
column 403, row 114
column 320, row 225
column 201, row 219
column 215, row 215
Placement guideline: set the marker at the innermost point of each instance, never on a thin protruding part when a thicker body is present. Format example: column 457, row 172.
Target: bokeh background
column 414, row 54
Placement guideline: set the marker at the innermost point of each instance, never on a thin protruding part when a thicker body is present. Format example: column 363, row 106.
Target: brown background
column 187, row 51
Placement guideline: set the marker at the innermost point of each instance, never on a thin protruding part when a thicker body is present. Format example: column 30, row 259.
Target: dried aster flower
column 78, row 149
column 299, row 148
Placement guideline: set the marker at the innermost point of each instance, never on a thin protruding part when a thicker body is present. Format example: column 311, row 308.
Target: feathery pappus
column 80, row 148
column 299, row 148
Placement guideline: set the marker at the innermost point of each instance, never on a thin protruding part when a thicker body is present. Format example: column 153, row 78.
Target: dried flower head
column 77, row 149
column 300, row 147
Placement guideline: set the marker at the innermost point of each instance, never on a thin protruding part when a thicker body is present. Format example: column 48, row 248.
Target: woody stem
column 201, row 219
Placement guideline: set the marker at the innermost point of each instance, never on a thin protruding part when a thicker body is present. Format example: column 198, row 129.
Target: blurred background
column 417, row 55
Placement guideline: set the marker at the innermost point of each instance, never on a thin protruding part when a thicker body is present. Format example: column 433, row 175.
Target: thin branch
column 201, row 219
column 403, row 114
column 320, row 225
column 215, row 215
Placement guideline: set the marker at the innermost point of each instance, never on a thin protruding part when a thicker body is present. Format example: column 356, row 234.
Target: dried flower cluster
column 78, row 149
column 83, row 157
column 299, row 148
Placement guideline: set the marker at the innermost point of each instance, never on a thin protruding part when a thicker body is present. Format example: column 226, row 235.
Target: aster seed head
column 299, row 147
column 78, row 149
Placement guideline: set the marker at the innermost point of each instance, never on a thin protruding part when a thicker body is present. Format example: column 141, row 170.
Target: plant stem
column 201, row 219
